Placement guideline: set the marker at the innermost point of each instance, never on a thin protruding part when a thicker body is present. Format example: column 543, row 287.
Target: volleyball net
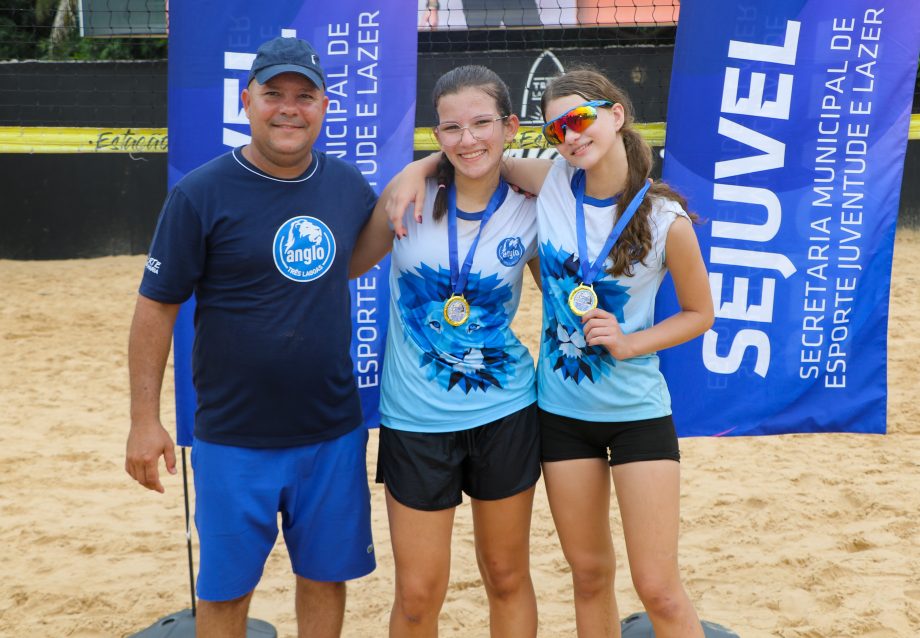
column 91, row 75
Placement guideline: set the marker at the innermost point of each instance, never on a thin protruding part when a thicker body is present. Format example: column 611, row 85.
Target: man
column 263, row 236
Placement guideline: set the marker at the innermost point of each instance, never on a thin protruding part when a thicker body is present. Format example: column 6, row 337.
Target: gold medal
column 456, row 310
column 582, row 299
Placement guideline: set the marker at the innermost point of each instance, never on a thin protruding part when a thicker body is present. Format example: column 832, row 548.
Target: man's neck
column 281, row 171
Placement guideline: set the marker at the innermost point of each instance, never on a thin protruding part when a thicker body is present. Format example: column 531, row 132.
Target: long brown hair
column 636, row 241
column 454, row 81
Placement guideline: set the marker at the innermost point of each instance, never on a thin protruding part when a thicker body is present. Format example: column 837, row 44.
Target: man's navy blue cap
column 286, row 55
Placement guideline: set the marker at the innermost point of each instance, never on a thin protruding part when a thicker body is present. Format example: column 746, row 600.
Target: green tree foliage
column 28, row 32
column 17, row 30
column 44, row 9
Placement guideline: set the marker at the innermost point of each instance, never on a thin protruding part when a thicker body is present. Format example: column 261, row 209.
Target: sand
column 806, row 536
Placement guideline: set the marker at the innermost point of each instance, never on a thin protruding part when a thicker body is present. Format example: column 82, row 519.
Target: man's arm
column 148, row 350
column 375, row 240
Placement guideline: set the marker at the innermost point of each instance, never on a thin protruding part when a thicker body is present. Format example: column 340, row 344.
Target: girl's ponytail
column 445, row 177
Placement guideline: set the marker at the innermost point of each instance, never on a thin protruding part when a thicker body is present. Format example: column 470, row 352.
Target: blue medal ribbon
column 459, row 275
column 589, row 271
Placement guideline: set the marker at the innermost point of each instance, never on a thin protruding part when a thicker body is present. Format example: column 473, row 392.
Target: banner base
column 639, row 626
column 182, row 625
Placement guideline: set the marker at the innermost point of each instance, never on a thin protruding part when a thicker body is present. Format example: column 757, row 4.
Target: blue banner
column 369, row 55
column 787, row 128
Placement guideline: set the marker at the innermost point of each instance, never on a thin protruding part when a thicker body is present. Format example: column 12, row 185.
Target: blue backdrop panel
column 787, row 127
column 369, row 55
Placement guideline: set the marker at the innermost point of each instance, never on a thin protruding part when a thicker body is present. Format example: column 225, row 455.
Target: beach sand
column 804, row 536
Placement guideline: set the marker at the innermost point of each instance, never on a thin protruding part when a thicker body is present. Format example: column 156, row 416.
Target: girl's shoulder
column 560, row 169
column 515, row 199
column 666, row 209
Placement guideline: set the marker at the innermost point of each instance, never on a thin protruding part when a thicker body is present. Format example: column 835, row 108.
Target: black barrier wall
column 63, row 206
column 103, row 94
column 79, row 205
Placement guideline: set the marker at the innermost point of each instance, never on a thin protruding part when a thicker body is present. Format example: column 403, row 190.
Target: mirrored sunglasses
column 577, row 119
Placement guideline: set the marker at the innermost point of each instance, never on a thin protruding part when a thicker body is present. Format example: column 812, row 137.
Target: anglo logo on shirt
column 304, row 248
column 510, row 250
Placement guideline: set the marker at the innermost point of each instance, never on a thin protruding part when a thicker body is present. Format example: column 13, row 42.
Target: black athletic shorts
column 565, row 439
column 489, row 462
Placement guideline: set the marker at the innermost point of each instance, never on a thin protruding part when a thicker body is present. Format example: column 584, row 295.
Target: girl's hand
column 521, row 191
column 602, row 329
column 409, row 187
column 406, row 188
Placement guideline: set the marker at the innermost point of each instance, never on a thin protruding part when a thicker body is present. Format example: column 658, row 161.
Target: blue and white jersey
column 443, row 378
column 575, row 380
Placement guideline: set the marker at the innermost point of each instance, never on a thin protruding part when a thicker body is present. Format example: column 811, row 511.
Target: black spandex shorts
column 565, row 439
column 489, row 462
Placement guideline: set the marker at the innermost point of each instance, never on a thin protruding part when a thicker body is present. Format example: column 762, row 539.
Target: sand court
column 798, row 536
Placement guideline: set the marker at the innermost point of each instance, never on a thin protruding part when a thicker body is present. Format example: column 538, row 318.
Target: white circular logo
column 304, row 248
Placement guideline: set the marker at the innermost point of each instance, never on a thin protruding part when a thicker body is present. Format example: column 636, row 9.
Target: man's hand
column 146, row 444
column 148, row 349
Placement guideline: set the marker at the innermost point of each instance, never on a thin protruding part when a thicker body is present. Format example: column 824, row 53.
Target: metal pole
column 188, row 533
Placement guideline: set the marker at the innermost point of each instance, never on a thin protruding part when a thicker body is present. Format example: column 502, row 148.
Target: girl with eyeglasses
column 458, row 395
column 607, row 236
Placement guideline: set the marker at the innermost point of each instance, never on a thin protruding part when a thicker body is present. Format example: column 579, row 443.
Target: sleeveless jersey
column 586, row 382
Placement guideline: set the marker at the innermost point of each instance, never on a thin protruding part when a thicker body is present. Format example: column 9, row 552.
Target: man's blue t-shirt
column 268, row 261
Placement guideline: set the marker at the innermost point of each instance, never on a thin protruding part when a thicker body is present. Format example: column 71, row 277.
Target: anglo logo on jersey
column 510, row 250
column 304, row 248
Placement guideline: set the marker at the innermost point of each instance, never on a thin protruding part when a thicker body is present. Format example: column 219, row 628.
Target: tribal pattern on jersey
column 564, row 347
column 472, row 356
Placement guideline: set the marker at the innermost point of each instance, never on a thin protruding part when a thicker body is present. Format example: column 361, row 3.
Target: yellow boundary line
column 37, row 139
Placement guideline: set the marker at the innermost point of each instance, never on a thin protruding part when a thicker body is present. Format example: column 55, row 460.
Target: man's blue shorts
column 321, row 492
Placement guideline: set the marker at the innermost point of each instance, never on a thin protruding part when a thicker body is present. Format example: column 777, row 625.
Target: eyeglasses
column 577, row 119
column 451, row 133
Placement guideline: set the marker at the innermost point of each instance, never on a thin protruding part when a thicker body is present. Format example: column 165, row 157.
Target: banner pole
column 188, row 533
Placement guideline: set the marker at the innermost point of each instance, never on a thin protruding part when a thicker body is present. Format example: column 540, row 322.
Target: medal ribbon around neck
column 456, row 308
column 583, row 298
